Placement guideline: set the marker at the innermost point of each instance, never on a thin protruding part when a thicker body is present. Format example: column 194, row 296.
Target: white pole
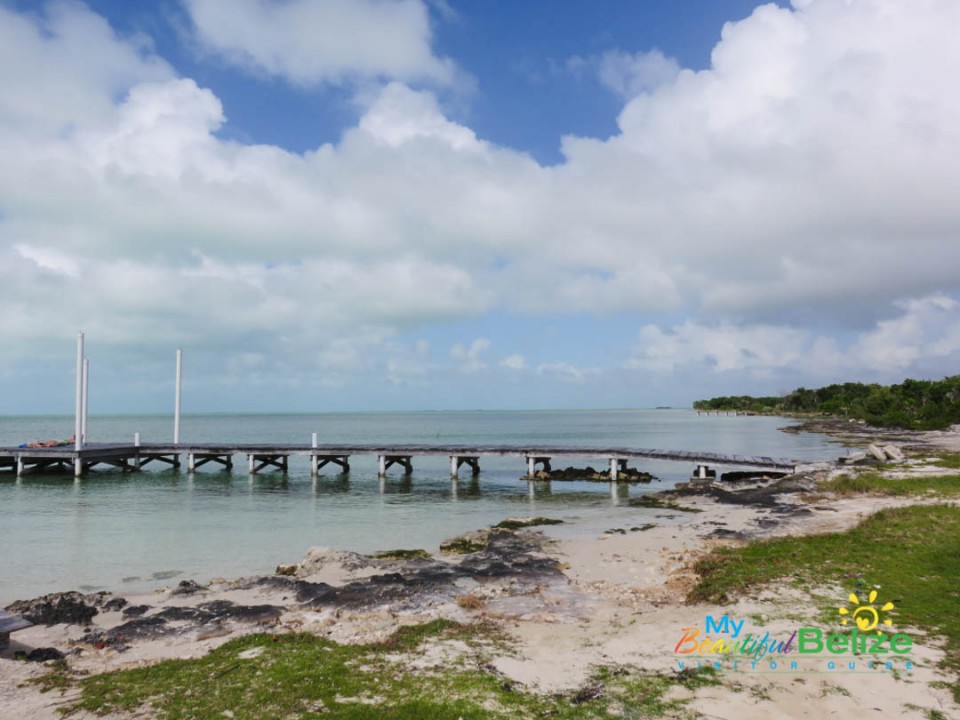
column 176, row 406
column 86, row 399
column 78, row 429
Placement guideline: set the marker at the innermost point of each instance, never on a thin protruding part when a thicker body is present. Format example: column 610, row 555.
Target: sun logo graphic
column 866, row 616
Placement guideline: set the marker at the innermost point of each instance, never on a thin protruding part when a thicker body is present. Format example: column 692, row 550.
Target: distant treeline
column 913, row 404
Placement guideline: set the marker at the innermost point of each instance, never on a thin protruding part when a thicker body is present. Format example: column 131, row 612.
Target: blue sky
column 435, row 204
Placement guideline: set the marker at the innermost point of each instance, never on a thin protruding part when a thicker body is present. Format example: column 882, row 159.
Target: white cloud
column 514, row 362
column 469, row 356
column 309, row 42
column 722, row 347
column 400, row 115
column 629, row 75
column 924, row 328
column 62, row 68
column 801, row 187
column 565, row 372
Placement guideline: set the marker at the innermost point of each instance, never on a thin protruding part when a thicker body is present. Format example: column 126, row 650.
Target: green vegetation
column 913, row 404
column 464, row 545
column 302, row 677
column 949, row 460
column 872, row 483
column 912, row 553
column 402, row 555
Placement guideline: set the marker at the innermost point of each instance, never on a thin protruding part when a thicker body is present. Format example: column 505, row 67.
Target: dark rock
column 179, row 614
column 174, row 619
column 101, row 639
column 44, row 654
column 135, row 610
column 220, row 610
column 724, row 534
column 589, row 474
column 751, row 476
column 71, row 608
column 115, row 603
column 187, row 587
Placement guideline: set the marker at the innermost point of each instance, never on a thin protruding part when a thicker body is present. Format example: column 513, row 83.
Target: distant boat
column 663, row 407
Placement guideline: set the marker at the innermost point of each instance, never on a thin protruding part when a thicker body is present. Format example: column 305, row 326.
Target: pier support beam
column 318, row 462
column 533, row 461
column 197, row 460
column 457, row 460
column 703, row 474
column 617, row 466
column 257, row 462
column 385, row 462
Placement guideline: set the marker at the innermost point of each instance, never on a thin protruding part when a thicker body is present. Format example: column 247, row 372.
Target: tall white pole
column 86, row 399
column 78, row 429
column 176, row 406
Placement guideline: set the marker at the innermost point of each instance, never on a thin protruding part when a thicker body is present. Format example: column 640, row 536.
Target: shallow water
column 140, row 530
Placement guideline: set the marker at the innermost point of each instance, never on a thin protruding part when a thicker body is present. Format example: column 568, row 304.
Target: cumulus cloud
column 514, row 362
column 311, row 42
column 799, row 190
column 468, row 356
column 632, row 74
column 923, row 328
column 63, row 67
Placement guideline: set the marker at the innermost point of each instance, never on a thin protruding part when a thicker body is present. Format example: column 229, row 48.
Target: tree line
column 911, row 405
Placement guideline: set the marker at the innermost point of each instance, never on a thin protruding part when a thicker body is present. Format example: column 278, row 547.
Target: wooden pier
column 259, row 457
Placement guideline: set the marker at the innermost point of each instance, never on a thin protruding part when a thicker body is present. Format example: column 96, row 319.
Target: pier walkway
column 129, row 457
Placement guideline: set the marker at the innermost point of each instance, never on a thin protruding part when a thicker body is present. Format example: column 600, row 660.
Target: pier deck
column 259, row 456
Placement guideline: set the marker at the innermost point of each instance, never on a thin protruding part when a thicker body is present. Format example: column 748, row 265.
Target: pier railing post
column 176, row 402
column 78, row 424
column 86, row 400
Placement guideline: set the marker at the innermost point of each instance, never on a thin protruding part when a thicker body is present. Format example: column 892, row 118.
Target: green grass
column 871, row 483
column 950, row 460
column 400, row 554
column 912, row 554
column 301, row 676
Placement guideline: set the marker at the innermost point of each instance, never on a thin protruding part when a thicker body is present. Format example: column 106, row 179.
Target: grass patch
column 912, row 553
column 871, row 483
column 463, row 545
column 59, row 678
column 950, row 460
column 303, row 677
column 402, row 555
column 518, row 523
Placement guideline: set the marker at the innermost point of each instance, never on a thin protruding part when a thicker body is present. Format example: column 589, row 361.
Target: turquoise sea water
column 131, row 532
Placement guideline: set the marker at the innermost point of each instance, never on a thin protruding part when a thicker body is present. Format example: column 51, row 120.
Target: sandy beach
column 568, row 598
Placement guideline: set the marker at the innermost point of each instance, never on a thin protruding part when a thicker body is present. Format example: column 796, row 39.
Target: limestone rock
column 853, row 458
column 318, row 558
column 877, row 452
column 893, row 453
